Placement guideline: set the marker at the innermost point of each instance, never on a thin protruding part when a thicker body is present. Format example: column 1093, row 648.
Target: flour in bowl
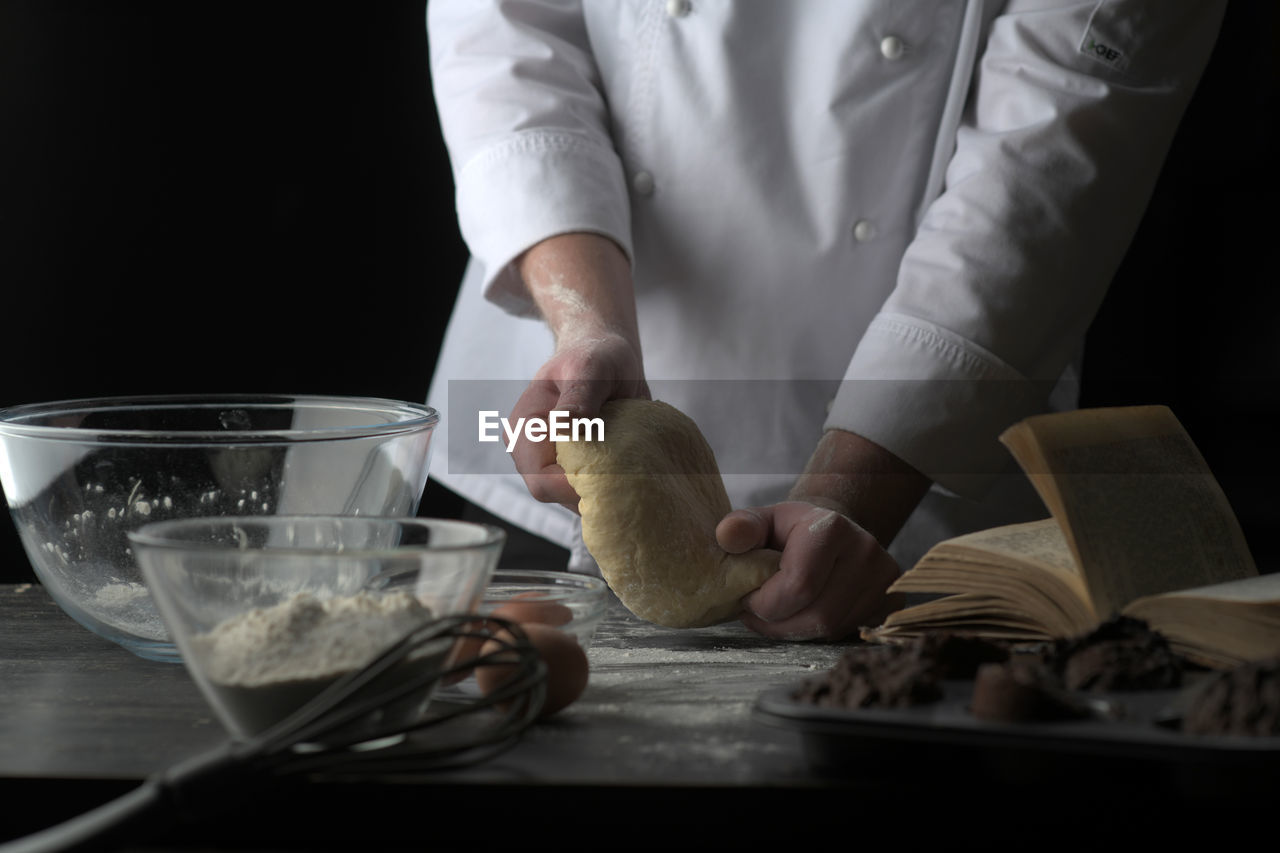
column 267, row 662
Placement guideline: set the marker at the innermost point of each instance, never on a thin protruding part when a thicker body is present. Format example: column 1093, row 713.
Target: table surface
column 665, row 730
column 672, row 705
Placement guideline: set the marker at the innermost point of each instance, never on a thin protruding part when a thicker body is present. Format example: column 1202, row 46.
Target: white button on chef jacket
column 891, row 47
column 642, row 183
column 679, row 8
column 764, row 288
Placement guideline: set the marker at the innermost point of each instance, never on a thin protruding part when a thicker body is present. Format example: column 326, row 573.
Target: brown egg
column 464, row 648
column 527, row 607
column 566, row 662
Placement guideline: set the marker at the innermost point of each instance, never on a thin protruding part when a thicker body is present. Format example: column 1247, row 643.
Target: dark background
column 253, row 196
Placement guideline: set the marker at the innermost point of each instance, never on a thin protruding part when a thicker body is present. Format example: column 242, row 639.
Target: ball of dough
column 651, row 497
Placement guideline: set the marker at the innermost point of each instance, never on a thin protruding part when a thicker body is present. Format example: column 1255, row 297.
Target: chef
column 854, row 240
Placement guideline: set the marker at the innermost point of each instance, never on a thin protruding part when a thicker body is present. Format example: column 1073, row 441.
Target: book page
column 1260, row 589
column 967, row 613
column 1139, row 507
column 1220, row 625
column 1028, row 567
column 1040, row 542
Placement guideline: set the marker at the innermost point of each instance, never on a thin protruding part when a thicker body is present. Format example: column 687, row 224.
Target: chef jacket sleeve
column 1071, row 111
column 525, row 122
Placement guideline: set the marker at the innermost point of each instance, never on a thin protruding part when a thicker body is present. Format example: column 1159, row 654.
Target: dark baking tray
column 1142, row 740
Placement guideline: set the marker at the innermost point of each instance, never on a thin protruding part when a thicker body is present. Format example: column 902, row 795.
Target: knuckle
column 829, row 528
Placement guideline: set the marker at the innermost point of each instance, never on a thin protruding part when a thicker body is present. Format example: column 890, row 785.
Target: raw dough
column 651, row 496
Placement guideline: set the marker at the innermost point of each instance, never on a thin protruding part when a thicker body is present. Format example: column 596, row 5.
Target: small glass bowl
column 268, row 611
column 585, row 598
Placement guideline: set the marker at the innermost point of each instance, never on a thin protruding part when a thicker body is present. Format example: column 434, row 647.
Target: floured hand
column 578, row 379
column 581, row 284
column 832, row 575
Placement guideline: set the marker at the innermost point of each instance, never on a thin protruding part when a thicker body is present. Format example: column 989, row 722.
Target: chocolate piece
column 874, row 677
column 956, row 655
column 1120, row 654
column 899, row 676
column 1241, row 701
column 1020, row 691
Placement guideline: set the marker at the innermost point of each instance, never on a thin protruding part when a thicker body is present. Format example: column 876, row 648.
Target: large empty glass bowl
column 80, row 475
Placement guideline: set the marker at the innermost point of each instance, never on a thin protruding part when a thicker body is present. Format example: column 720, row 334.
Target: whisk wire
column 374, row 703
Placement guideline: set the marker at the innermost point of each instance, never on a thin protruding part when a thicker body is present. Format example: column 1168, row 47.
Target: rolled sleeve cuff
column 532, row 186
column 935, row 400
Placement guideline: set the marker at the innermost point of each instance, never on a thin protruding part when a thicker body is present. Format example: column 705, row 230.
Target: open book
column 1138, row 526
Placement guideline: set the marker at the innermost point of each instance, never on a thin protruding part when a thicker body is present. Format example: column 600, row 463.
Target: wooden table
column 663, row 743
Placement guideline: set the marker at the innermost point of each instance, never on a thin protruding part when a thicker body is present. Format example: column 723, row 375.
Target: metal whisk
column 371, row 722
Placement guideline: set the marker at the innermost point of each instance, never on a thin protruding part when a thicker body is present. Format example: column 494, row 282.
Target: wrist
column 863, row 481
column 581, row 284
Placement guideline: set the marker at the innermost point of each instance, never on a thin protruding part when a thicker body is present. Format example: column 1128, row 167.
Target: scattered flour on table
column 306, row 638
column 672, row 676
column 784, row 656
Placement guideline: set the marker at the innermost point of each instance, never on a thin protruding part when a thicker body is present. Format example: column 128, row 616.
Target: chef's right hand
column 582, row 286
column 581, row 377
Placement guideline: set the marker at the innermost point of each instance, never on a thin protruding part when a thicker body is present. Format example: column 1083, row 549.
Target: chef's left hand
column 844, row 510
column 832, row 578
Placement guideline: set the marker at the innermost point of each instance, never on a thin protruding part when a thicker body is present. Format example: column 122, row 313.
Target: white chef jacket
column 892, row 217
